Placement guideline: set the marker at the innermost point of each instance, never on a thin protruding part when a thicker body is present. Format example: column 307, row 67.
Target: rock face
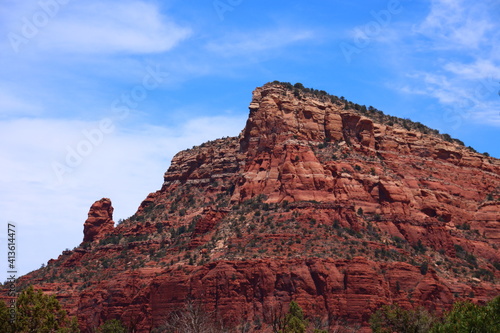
column 350, row 289
column 318, row 200
column 487, row 221
column 100, row 221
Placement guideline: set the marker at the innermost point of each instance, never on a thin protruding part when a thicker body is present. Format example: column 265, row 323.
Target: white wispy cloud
column 13, row 105
column 479, row 69
column 112, row 27
column 466, row 100
column 75, row 61
column 456, row 24
column 251, row 43
column 436, row 85
column 488, row 114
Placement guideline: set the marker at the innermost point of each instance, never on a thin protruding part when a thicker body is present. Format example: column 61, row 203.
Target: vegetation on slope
column 465, row 317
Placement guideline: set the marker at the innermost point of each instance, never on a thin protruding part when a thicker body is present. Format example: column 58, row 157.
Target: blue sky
column 96, row 97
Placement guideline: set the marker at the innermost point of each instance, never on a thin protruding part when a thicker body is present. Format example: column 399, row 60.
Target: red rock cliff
column 339, row 209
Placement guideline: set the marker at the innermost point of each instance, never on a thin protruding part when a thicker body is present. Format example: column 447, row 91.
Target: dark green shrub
column 468, row 317
column 424, row 268
column 393, row 318
column 112, row 326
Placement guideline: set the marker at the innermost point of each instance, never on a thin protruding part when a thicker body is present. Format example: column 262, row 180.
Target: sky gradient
column 96, row 97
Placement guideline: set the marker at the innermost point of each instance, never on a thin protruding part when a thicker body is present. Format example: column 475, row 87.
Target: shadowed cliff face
column 313, row 203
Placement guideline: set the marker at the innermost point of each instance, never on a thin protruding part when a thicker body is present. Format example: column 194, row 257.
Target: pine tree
column 294, row 319
column 37, row 312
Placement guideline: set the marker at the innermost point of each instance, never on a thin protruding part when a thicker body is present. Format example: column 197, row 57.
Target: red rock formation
column 314, row 202
column 100, row 221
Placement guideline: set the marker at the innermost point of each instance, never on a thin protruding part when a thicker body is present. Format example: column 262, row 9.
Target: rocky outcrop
column 100, row 221
column 487, row 221
column 314, row 201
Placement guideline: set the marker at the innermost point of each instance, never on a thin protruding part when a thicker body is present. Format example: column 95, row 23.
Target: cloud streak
column 248, row 44
column 12, row 105
column 130, row 27
column 112, row 27
column 453, row 24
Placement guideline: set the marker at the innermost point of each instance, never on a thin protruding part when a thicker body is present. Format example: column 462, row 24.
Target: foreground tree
column 465, row 317
column 291, row 322
column 470, row 317
column 37, row 312
column 294, row 319
column 5, row 325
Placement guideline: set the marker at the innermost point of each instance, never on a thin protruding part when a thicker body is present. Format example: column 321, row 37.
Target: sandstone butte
column 318, row 200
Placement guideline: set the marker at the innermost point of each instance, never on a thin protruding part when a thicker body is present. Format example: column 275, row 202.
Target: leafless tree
column 278, row 318
column 339, row 325
column 192, row 319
